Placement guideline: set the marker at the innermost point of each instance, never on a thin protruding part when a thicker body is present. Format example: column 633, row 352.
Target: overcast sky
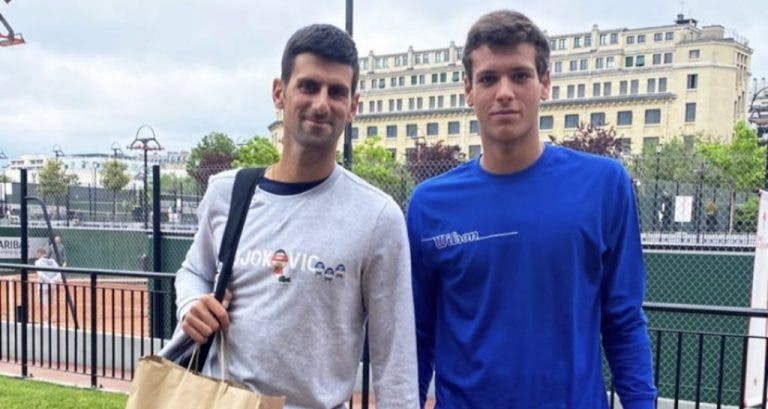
column 93, row 71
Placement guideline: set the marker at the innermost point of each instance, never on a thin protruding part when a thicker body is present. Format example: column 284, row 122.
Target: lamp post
column 656, row 188
column 145, row 144
column 2, row 187
column 59, row 153
column 758, row 116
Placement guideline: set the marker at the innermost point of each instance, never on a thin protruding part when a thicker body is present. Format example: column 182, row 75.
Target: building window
column 641, row 38
column 652, row 116
column 379, row 105
column 401, row 81
column 571, row 121
column 432, row 102
column 546, row 122
column 630, row 39
column 411, row 130
column 362, row 85
column 693, row 81
column 614, row 38
column 425, row 58
column 561, row 43
column 393, row 82
column 669, row 35
column 651, row 86
column 609, row 62
column 571, row 91
column 634, row 87
column 558, row 67
column 434, row 78
column 555, row 92
column 354, row 132
column 622, row 87
column 364, row 63
column 421, row 79
column 694, row 54
column 663, row 84
column 419, row 103
column 453, row 100
column 411, row 104
column 658, row 36
column 597, row 118
column 391, row 131
column 629, row 61
column 577, row 42
column 391, row 105
column 581, row 91
column 667, row 58
column 414, row 80
column 432, row 128
column 474, row 151
column 657, row 59
column 596, row 89
column 603, row 39
column 624, row 118
column 382, row 83
column 440, row 100
column 474, row 127
column 453, row 128
column 640, row 61
column 607, row 89
column 588, row 40
column 372, row 131
column 625, row 145
column 443, row 77
column 360, row 108
column 456, row 76
column 599, row 63
column 573, row 65
column 583, row 64
column 461, row 100
column 690, row 112
column 650, row 143
column 399, row 104
column 371, row 106
column 374, row 84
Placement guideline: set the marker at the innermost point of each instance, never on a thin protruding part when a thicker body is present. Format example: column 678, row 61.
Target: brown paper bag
column 161, row 384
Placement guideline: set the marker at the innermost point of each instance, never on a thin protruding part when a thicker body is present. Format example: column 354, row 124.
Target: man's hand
column 206, row 316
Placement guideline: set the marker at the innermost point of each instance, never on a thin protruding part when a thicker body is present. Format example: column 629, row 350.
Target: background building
column 650, row 83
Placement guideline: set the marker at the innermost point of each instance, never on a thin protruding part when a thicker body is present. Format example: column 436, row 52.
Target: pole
column 24, row 273
column 656, row 192
column 158, row 298
column 348, row 127
column 146, row 194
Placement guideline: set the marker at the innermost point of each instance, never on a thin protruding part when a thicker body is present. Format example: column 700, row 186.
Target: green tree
column 257, row 152
column 741, row 164
column 377, row 166
column 213, row 154
column 54, row 182
column 114, row 178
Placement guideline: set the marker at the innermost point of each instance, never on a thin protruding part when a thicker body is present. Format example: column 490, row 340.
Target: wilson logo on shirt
column 454, row 238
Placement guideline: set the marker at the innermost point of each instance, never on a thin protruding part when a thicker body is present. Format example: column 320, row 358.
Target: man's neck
column 500, row 158
column 302, row 167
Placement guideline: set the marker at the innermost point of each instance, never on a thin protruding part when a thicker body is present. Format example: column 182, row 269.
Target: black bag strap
column 245, row 184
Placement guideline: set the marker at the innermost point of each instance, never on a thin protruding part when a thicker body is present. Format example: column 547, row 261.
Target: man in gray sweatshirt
column 322, row 253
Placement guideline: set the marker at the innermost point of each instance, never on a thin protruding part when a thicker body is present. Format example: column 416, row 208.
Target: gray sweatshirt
column 310, row 270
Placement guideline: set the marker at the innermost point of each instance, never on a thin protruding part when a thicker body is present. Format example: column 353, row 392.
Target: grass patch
column 25, row 394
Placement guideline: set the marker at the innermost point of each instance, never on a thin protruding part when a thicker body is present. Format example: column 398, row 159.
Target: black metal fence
column 108, row 325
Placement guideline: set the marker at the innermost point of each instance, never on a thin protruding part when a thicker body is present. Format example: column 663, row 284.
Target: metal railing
column 692, row 368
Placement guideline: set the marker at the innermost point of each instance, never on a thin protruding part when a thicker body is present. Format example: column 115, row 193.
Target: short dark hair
column 502, row 29
column 323, row 40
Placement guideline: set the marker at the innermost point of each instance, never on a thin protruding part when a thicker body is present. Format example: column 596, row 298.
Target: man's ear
column 277, row 93
column 545, row 82
column 353, row 107
column 468, row 90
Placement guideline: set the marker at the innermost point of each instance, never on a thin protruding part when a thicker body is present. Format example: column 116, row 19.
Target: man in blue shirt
column 527, row 258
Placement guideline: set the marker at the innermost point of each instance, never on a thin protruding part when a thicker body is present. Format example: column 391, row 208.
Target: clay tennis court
column 122, row 306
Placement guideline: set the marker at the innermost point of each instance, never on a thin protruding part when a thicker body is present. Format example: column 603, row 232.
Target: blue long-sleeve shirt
column 518, row 277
